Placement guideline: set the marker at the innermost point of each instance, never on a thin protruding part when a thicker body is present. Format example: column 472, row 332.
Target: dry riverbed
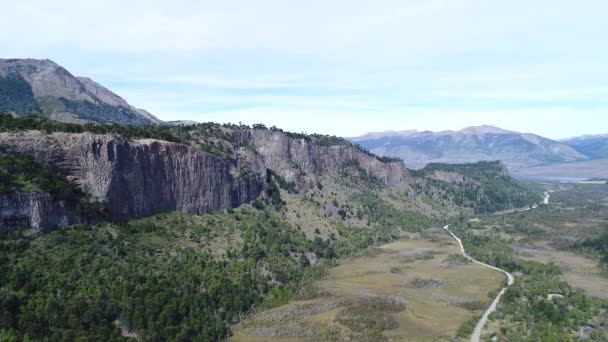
column 419, row 289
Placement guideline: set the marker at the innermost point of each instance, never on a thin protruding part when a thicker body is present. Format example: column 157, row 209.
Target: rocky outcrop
column 135, row 178
column 37, row 210
column 293, row 158
column 141, row 178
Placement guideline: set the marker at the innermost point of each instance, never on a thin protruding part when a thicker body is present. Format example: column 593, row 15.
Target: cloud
column 381, row 64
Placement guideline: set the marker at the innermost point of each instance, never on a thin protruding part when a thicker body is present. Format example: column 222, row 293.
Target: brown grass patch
column 370, row 298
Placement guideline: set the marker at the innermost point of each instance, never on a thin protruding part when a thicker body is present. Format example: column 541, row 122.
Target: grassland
column 416, row 289
column 578, row 270
column 577, row 212
column 541, row 247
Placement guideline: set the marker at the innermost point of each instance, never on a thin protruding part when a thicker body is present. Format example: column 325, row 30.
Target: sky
column 335, row 67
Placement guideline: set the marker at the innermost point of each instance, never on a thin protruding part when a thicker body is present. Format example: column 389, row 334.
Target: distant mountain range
column 32, row 86
column 595, row 146
column 521, row 152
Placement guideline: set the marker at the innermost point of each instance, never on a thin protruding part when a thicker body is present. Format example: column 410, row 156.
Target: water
column 551, row 179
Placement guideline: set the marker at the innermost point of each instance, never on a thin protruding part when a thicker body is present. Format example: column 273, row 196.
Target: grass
column 466, row 329
column 369, row 298
column 576, row 212
column 578, row 271
column 547, row 235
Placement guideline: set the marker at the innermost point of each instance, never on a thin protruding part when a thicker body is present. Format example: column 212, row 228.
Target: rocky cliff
column 37, row 210
column 140, row 177
column 218, row 167
column 302, row 160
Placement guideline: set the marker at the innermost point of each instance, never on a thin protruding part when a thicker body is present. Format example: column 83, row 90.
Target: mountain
column 595, row 146
column 32, row 86
column 481, row 143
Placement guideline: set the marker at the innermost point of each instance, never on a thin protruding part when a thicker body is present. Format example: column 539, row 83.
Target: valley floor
column 418, row 289
column 422, row 289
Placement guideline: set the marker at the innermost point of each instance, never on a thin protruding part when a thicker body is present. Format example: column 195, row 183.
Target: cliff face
column 135, row 178
column 37, row 210
column 293, row 158
column 140, row 178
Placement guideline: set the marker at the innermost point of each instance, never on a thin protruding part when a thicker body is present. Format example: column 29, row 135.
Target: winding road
column 484, row 319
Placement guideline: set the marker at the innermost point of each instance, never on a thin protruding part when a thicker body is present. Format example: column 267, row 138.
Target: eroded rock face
column 141, row 178
column 293, row 157
column 136, row 178
column 37, row 210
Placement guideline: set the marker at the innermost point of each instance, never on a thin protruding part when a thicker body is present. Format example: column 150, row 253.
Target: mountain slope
column 472, row 144
column 484, row 186
column 31, row 86
column 595, row 146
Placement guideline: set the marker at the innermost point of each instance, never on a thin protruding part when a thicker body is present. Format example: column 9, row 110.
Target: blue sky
column 339, row 67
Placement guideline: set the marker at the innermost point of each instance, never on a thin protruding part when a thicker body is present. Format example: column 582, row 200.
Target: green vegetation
column 179, row 277
column 16, row 96
column 540, row 305
column 208, row 136
column 353, row 175
column 21, row 174
column 100, row 112
column 467, row 328
column 597, row 247
column 154, row 275
column 9, row 123
column 487, row 187
column 383, row 294
column 167, row 277
column 290, row 187
column 531, row 315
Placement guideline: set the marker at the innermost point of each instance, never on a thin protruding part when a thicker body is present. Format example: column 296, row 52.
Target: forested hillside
column 171, row 276
column 190, row 274
column 484, row 186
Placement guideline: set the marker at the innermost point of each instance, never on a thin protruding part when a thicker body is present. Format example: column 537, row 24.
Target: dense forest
column 171, row 276
column 598, row 247
column 532, row 315
column 152, row 276
column 16, row 96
